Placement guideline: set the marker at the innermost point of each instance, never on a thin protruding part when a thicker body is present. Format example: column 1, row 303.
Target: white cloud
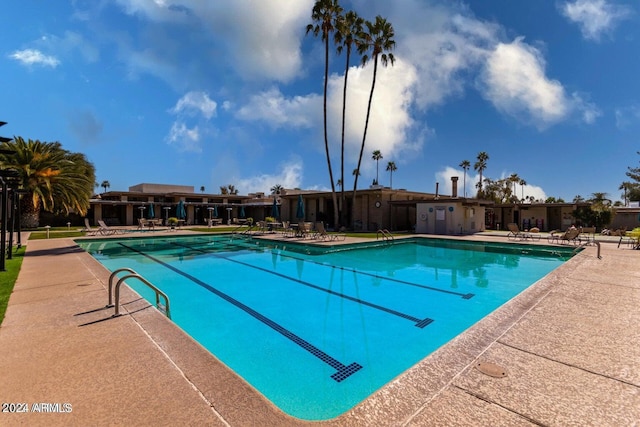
column 595, row 17
column 193, row 111
column 290, row 176
column 261, row 40
column 187, row 139
column 390, row 121
column 34, row 57
column 627, row 116
column 195, row 102
column 514, row 81
column 278, row 111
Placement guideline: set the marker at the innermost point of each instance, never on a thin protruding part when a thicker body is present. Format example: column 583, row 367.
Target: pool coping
column 218, row 397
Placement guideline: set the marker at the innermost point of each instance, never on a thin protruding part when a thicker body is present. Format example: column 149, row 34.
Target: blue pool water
column 319, row 330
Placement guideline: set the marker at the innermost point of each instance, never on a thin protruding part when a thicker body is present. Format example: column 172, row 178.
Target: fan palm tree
column 324, row 15
column 53, row 179
column 377, row 39
column 479, row 166
column 522, row 183
column 276, row 189
column 105, row 185
column 348, row 33
column 465, row 165
column 377, row 156
column 391, row 167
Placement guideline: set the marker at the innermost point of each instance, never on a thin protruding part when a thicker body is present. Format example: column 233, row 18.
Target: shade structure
column 242, row 214
column 274, row 209
column 151, row 212
column 181, row 213
column 300, row 208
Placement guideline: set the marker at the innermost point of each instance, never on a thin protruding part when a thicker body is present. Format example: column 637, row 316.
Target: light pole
column 142, row 208
column 229, row 216
column 166, row 214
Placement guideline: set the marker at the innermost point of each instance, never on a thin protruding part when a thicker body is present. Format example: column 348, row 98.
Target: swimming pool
column 319, row 330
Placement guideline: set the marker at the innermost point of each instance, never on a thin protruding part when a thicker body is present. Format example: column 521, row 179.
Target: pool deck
column 569, row 346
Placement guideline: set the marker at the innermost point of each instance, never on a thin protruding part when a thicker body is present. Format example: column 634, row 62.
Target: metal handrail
column 385, row 234
column 163, row 308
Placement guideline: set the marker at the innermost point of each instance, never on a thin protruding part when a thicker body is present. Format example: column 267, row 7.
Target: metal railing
column 164, row 308
column 385, row 234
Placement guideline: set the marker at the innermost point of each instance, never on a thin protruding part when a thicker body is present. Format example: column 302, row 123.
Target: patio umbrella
column 151, row 212
column 180, row 211
column 274, row 209
column 300, row 209
column 242, row 212
column 215, row 211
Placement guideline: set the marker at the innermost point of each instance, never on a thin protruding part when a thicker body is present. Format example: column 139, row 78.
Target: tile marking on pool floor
column 364, row 273
column 343, row 371
column 420, row 323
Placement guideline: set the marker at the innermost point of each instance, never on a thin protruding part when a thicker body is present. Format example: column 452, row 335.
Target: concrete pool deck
column 569, row 345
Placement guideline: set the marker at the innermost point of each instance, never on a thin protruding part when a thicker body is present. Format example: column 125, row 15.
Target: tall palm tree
column 377, row 156
column 324, row 15
column 377, row 39
column 105, row 184
column 513, row 180
column 54, row 179
column 465, row 165
column 480, row 165
column 522, row 183
column 391, row 167
column 348, row 33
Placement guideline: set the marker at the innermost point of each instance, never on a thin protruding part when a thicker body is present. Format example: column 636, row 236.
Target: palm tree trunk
column 326, row 139
column 344, row 113
column 364, row 136
column 29, row 214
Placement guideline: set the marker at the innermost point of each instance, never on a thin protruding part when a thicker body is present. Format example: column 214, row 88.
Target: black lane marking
column 431, row 288
column 420, row 323
column 343, row 371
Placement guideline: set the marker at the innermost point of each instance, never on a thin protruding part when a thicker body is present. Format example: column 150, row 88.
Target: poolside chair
column 87, row 228
column 515, row 233
column 106, row 230
column 589, row 234
column 570, row 236
column 321, row 233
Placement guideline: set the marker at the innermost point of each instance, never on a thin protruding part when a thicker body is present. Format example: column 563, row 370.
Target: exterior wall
column 456, row 218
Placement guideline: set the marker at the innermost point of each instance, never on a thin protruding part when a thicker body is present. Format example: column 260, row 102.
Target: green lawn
column 8, row 278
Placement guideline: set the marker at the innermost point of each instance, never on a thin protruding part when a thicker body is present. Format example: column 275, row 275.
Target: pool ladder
column 385, row 234
column 163, row 308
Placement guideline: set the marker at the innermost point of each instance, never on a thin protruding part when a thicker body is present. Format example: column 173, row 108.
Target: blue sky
column 230, row 92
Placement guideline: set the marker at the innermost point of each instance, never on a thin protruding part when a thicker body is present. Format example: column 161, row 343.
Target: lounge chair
column 87, row 228
column 570, row 236
column 106, row 230
column 515, row 233
column 321, row 233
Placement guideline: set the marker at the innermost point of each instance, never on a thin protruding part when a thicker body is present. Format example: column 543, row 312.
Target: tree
column 513, row 179
column 54, row 179
column 224, row 190
column 578, row 199
column 465, row 165
column 232, row 189
column 276, row 189
column 202, row 188
column 105, row 185
column 378, row 38
column 480, row 165
column 377, row 156
column 324, row 15
column 522, row 183
column 391, row 168
column 348, row 33
column 633, row 190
